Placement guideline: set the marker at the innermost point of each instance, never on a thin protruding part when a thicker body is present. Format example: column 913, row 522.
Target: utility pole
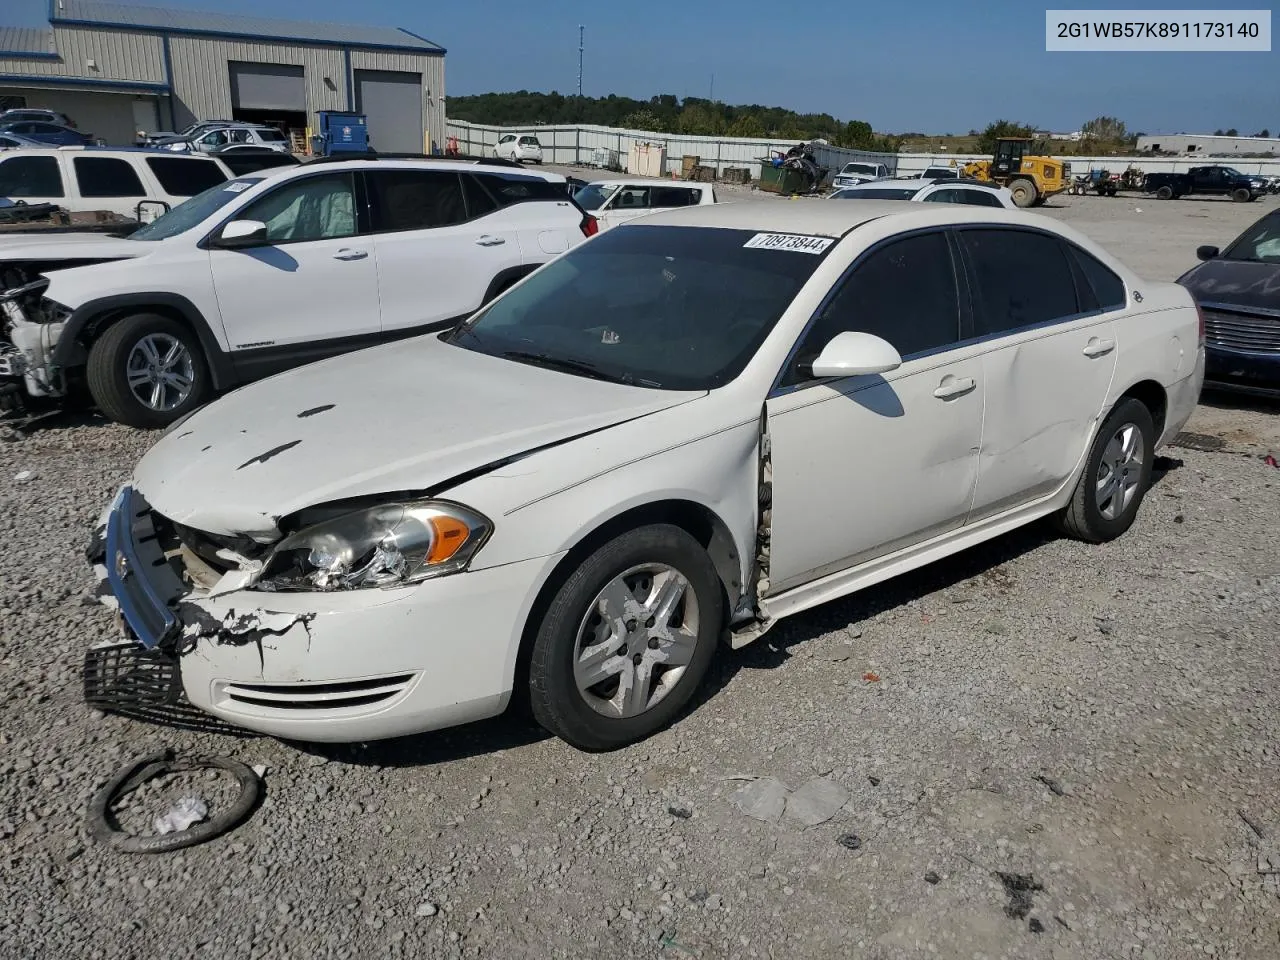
column 581, row 28
column 712, row 97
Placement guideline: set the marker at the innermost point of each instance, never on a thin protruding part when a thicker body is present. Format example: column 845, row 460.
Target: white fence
column 575, row 146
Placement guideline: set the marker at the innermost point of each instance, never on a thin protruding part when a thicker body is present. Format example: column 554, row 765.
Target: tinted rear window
column 1022, row 279
column 513, row 188
column 107, row 177
column 30, row 177
column 856, row 194
column 183, row 177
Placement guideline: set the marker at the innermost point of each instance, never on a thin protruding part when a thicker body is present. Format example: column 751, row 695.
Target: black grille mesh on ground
column 124, row 676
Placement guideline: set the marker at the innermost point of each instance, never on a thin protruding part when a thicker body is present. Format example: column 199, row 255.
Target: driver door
column 866, row 465
column 311, row 291
column 627, row 203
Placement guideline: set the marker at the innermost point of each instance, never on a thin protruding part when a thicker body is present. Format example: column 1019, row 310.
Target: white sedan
column 662, row 442
column 941, row 190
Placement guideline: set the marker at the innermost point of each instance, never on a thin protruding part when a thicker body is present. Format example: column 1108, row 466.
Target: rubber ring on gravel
column 103, row 830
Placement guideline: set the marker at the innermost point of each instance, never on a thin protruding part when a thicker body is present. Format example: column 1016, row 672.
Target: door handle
column 950, row 388
column 346, row 253
column 488, row 241
column 1099, row 348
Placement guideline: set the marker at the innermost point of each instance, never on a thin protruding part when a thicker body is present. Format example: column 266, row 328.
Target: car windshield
column 191, row 212
column 676, row 308
column 594, row 195
column 854, row 193
column 858, row 168
column 1232, row 172
column 1260, row 242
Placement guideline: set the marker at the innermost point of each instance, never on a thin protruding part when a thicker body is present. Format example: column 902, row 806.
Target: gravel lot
column 1096, row 724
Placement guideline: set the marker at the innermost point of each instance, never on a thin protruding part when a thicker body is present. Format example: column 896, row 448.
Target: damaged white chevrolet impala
column 666, row 439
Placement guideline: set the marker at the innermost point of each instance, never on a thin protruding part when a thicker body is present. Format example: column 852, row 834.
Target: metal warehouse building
column 115, row 69
column 1209, row 145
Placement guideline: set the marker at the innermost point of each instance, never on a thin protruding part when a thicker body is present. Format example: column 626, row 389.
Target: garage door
column 267, row 86
column 393, row 103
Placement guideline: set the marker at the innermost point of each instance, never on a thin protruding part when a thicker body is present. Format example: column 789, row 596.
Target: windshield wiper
column 581, row 367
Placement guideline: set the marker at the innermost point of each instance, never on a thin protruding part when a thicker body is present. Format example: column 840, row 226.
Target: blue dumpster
column 340, row 133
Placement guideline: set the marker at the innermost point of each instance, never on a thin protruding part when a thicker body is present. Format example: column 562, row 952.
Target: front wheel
column 1115, row 478
column 147, row 371
column 627, row 639
column 1024, row 193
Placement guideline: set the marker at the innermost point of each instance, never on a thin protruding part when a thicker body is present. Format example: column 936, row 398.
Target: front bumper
column 330, row 667
column 1243, row 370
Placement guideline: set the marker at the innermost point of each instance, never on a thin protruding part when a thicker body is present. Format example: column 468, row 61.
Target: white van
column 131, row 182
column 616, row 201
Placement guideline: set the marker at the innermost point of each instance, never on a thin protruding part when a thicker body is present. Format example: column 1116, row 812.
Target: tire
column 124, row 344
column 1024, row 192
column 600, row 716
column 1084, row 518
column 1165, row 193
column 1241, row 195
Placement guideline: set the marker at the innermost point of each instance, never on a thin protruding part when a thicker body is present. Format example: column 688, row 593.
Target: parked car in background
column 685, row 429
column 852, row 174
column 37, row 114
column 1238, row 290
column 976, row 193
column 126, row 180
column 221, row 138
column 1209, row 181
column 272, row 270
column 939, row 173
column 14, row 141
column 616, row 201
column 49, row 133
column 524, row 148
column 190, row 131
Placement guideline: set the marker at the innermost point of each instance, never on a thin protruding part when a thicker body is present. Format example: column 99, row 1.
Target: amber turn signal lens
column 448, row 536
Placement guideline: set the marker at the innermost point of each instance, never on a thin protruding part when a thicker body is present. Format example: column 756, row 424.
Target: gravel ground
column 1036, row 749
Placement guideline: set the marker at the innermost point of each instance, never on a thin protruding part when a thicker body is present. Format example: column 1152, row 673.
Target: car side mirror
column 855, row 354
column 242, row 233
column 1206, row 252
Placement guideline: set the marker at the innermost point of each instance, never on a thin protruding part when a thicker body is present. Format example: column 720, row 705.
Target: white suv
column 613, row 202
column 522, row 149
column 269, row 271
column 223, row 138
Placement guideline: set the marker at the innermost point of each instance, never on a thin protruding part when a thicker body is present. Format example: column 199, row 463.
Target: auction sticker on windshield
column 788, row 241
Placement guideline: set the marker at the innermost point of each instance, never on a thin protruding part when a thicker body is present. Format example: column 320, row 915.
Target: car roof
column 376, row 162
column 814, row 217
column 647, row 181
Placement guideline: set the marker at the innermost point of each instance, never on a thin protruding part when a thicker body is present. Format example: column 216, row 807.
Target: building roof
column 26, row 41
column 100, row 13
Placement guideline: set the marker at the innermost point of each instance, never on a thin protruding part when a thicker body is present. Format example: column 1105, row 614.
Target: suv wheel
column 627, row 639
column 147, row 371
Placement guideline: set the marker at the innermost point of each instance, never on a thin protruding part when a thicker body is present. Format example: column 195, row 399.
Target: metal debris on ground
column 850, row 841
column 101, row 823
column 1203, row 442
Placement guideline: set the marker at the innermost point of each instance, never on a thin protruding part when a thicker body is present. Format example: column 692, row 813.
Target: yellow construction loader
column 1029, row 178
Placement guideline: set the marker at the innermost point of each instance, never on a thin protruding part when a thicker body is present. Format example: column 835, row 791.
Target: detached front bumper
column 338, row 667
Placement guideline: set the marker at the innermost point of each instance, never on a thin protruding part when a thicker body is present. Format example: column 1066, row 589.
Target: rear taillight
column 590, row 225
column 1200, row 323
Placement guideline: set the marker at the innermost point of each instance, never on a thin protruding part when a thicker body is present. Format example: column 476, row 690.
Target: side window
column 944, row 196
column 183, row 177
column 1108, row 289
column 631, row 198
column 1021, row 279
column 30, row 177
column 674, row 197
column 509, row 189
column 977, row 198
column 478, row 199
column 415, row 199
column 107, row 177
column 904, row 292
column 312, row 208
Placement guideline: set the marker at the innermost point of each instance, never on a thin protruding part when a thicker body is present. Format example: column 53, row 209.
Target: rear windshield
column 271, row 133
column 594, row 195
column 196, row 210
column 859, row 168
column 530, row 141
column 676, row 308
column 855, row 193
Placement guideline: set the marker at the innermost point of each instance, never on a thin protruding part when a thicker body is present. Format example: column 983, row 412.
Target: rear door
column 439, row 245
column 312, row 290
column 1049, row 355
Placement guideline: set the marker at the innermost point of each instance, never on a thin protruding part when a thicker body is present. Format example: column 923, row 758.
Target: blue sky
column 935, row 66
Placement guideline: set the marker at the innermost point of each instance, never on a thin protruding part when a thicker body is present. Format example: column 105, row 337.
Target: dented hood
column 73, row 246
column 409, row 416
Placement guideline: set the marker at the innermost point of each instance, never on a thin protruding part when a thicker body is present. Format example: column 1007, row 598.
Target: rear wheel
column 1165, row 193
column 1024, row 192
column 1115, row 478
column 627, row 639
column 147, row 371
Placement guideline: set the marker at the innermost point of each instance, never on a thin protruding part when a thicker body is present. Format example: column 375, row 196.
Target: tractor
column 1030, row 178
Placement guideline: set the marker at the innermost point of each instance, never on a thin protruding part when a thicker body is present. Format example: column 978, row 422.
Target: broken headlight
column 384, row 546
column 51, row 311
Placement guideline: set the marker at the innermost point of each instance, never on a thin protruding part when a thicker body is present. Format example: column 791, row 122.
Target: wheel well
column 94, row 328
column 1152, row 396
column 696, row 520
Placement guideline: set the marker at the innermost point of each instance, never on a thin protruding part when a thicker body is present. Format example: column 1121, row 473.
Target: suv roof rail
column 463, row 158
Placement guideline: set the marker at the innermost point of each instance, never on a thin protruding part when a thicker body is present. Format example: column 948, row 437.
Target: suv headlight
column 384, row 546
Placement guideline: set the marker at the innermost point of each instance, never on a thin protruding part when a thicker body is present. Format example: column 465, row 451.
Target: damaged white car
column 674, row 435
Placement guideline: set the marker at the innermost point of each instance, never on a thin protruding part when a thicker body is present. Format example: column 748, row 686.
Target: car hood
column 1245, row 284
column 72, row 246
column 414, row 416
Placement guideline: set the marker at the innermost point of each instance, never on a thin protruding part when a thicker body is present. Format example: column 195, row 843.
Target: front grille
column 124, row 676
column 1237, row 331
column 336, row 695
